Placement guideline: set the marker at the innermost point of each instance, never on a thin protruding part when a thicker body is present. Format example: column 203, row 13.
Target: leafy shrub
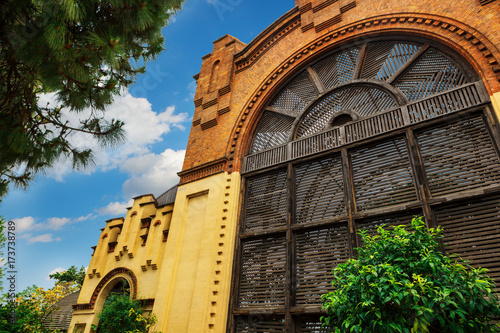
column 402, row 282
column 121, row 314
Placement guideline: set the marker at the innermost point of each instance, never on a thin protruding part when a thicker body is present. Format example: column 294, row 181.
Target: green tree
column 72, row 274
column 121, row 314
column 402, row 282
column 32, row 309
column 84, row 51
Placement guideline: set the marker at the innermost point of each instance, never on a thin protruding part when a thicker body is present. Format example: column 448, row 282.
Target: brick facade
column 249, row 75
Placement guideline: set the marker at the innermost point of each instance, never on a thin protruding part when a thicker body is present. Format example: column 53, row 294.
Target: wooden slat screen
column 471, row 229
column 316, row 143
column 310, row 325
column 318, row 252
column 263, row 268
column 338, row 68
column 265, row 158
column 296, row 95
column 454, row 100
column 266, row 204
column 273, row 130
column 260, row 324
column 382, row 174
column 364, row 100
column 371, row 225
column 371, row 126
column 413, row 140
column 320, row 190
column 459, row 156
column 433, row 73
column 386, row 58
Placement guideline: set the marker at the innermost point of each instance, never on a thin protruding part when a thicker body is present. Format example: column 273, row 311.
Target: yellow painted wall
column 495, row 101
column 129, row 253
column 193, row 293
column 189, row 275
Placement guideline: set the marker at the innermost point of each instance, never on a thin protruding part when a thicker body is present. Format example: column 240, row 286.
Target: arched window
column 371, row 134
column 214, row 75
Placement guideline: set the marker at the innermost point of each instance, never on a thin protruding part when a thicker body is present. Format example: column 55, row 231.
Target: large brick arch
column 472, row 45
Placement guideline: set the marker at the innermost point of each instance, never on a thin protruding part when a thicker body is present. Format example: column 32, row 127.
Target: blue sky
column 60, row 215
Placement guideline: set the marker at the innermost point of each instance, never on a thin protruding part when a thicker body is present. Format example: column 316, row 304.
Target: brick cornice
column 202, row 171
column 267, row 39
column 467, row 41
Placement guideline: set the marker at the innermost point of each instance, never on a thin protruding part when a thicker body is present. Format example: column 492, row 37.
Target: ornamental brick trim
column 265, row 45
column 202, row 171
column 103, row 283
column 465, row 40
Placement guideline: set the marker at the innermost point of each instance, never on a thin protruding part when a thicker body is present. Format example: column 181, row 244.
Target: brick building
column 340, row 116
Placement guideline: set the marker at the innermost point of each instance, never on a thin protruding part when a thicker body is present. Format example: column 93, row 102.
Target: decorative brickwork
column 471, row 43
column 103, row 282
column 202, row 171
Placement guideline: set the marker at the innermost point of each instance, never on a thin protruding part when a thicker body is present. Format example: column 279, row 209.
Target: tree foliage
column 122, row 314
column 71, row 275
column 33, row 308
column 85, row 52
column 402, row 282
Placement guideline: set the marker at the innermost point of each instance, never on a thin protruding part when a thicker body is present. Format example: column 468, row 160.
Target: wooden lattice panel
column 384, row 59
column 364, row 100
column 382, row 174
column 338, row 68
column 310, row 325
column 273, row 130
column 471, row 229
column 260, row 324
column 266, row 203
column 459, row 156
column 319, row 190
column 431, row 74
column 318, row 252
column 263, row 270
column 296, row 95
column 387, row 222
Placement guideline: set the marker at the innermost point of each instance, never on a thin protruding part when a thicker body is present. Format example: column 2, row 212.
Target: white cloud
column 143, row 126
column 56, row 223
column 29, row 223
column 44, row 238
column 55, row 270
column 152, row 173
column 25, row 223
column 115, row 208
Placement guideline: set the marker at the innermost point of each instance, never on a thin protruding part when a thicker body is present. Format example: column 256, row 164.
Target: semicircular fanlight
column 414, row 70
column 363, row 100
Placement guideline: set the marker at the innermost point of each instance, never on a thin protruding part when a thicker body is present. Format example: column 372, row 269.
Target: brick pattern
column 468, row 39
column 260, row 69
